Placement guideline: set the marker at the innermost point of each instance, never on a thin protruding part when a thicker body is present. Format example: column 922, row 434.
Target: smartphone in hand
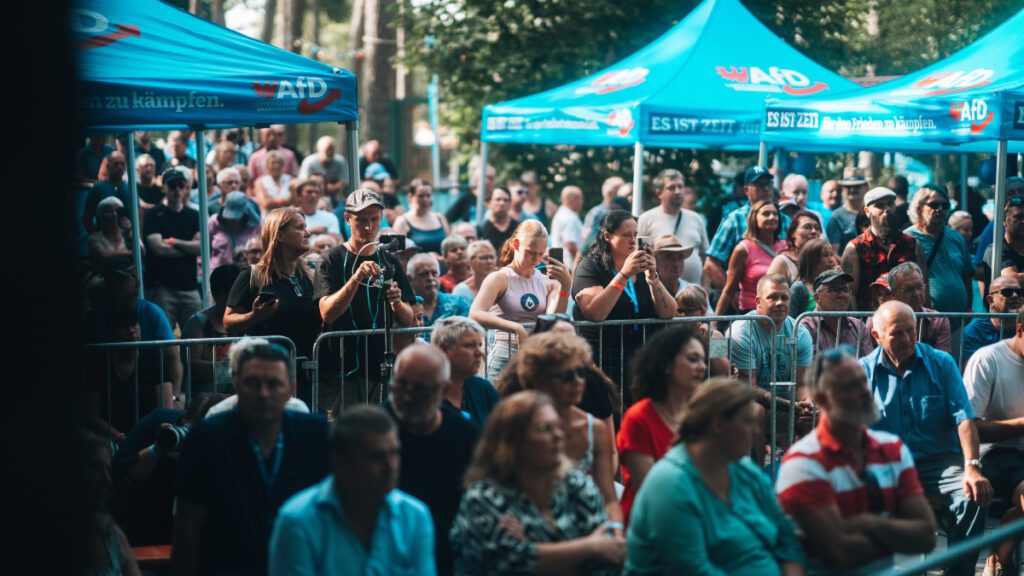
column 266, row 297
column 556, row 254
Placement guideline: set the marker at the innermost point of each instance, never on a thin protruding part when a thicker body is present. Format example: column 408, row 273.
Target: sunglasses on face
column 570, row 375
column 1009, row 292
column 937, row 205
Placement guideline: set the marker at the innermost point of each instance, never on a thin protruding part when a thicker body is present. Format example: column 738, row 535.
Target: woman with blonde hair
column 482, row 261
column 705, row 507
column 518, row 292
column 275, row 296
column 692, row 300
column 752, row 257
column 558, row 365
column 526, row 510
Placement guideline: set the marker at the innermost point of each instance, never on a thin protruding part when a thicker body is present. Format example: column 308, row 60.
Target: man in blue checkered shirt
column 757, row 185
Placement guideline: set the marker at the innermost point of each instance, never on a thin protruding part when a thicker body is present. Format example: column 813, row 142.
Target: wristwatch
column 975, row 462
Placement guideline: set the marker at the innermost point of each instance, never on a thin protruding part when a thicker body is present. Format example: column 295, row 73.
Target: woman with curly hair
column 527, row 509
column 556, row 364
column 665, row 373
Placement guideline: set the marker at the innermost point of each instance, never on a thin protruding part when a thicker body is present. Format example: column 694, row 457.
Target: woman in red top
column 665, row 372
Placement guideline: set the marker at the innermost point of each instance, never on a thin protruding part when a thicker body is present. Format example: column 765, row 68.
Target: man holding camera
column 354, row 283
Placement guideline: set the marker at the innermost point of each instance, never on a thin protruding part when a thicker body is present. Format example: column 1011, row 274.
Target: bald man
column 329, row 163
column 1005, row 295
column 566, row 226
column 922, row 399
column 437, row 440
column 113, row 185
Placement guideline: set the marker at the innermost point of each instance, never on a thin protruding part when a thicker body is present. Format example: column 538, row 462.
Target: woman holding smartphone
column 275, row 296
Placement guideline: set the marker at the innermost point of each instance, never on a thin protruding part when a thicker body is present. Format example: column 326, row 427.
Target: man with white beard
column 853, row 492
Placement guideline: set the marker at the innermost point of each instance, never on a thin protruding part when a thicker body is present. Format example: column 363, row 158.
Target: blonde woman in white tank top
column 518, row 292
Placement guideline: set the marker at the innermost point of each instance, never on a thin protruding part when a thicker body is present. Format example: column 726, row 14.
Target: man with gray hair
column 437, row 441
column 922, row 399
column 237, row 468
column 462, row 340
column 423, row 273
column 114, row 185
column 669, row 217
column 906, row 284
column 328, row 162
column 594, row 217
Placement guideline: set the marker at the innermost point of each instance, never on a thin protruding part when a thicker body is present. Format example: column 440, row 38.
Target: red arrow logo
column 954, row 111
column 306, row 108
column 812, row 89
column 123, row 31
column 976, row 128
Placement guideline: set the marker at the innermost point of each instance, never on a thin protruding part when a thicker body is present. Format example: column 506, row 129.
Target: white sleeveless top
column 275, row 190
column 523, row 301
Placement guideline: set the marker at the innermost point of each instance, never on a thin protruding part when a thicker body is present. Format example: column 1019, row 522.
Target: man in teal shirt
column 355, row 521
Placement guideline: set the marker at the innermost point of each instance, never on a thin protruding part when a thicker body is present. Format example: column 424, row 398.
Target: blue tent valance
column 702, row 84
column 961, row 103
column 145, row 64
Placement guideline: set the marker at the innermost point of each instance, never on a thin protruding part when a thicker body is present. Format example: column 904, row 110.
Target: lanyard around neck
column 269, row 478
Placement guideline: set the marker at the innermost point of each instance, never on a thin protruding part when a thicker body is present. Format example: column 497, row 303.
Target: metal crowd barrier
column 943, row 558
column 957, row 322
column 184, row 359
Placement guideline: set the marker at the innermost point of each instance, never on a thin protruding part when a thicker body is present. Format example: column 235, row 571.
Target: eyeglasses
column 937, row 205
column 570, row 375
column 1008, row 292
column 837, row 290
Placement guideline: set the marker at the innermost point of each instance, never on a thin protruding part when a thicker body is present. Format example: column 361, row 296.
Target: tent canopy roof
column 146, row 64
column 701, row 84
column 974, row 96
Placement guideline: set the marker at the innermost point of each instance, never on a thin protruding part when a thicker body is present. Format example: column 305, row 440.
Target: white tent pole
column 435, row 127
column 963, row 181
column 762, row 153
column 1000, row 199
column 204, row 214
column 133, row 213
column 352, row 132
column 776, row 161
column 638, row 178
column 481, row 185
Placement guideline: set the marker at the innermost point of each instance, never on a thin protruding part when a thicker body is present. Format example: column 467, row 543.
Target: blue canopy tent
column 960, row 104
column 700, row 85
column 147, row 65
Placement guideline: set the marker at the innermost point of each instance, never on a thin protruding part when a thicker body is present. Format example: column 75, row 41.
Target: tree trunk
column 296, row 11
column 217, row 11
column 269, row 12
column 193, row 6
column 377, row 80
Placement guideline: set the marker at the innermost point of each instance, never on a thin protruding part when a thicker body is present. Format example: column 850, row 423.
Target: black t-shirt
column 616, row 341
column 176, row 273
column 219, row 471
column 461, row 209
column 1010, row 258
column 432, row 471
column 497, row 238
column 151, row 194
column 298, row 313
column 363, row 355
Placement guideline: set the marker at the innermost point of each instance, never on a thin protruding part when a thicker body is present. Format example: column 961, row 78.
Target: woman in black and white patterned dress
column 526, row 509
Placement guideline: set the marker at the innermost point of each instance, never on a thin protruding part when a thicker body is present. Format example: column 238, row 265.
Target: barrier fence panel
column 960, row 549
column 182, row 354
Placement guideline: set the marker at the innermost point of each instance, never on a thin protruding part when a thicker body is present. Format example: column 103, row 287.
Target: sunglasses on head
column 1014, row 201
column 1008, row 292
column 570, row 375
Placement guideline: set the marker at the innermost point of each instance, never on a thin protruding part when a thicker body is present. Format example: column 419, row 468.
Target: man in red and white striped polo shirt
column 852, row 493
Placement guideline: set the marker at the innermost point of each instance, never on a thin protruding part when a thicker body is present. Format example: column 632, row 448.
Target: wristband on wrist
column 563, row 294
column 170, row 241
column 618, row 286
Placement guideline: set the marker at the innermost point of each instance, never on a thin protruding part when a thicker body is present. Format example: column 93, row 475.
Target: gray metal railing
column 960, row 549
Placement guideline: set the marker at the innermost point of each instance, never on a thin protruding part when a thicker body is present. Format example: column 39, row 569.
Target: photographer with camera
column 275, row 296
column 360, row 285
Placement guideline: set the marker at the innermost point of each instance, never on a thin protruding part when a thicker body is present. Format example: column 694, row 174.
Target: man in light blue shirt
column 922, row 399
column 355, row 521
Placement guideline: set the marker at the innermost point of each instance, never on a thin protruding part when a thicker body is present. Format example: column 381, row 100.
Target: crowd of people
column 556, row 411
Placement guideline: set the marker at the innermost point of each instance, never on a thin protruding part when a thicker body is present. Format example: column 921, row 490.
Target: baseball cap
column 829, row 276
column 669, row 243
column 876, row 194
column 236, row 205
column 376, row 171
column 882, row 280
column 755, row 173
column 362, row 198
column 172, row 175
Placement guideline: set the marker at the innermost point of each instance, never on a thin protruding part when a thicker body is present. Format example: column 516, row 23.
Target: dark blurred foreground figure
column 853, row 492
column 355, row 521
column 527, row 510
column 238, row 467
column 705, row 507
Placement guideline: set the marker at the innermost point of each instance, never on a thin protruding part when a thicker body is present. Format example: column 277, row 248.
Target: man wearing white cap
column 671, row 218
column 878, row 248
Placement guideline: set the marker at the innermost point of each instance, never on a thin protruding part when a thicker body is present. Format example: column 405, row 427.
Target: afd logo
column 95, row 31
column 615, row 81
column 754, row 79
column 954, row 81
column 975, row 111
column 307, row 89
